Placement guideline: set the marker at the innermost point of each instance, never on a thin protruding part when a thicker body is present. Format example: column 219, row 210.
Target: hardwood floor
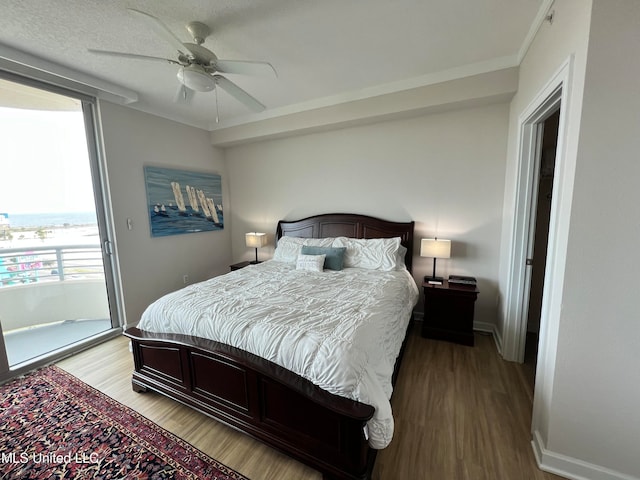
column 461, row 413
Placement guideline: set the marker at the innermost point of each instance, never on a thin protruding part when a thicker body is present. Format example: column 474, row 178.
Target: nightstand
column 238, row 266
column 448, row 312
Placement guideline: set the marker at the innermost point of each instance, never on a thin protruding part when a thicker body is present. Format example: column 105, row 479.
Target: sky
column 44, row 164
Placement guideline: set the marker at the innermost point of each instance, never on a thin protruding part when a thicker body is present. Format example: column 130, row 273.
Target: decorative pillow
column 371, row 253
column 334, row 256
column 402, row 252
column 288, row 248
column 312, row 263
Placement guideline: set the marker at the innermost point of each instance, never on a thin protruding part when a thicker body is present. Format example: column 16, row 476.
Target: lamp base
column 434, row 280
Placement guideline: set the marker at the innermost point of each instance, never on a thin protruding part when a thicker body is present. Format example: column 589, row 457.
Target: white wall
column 553, row 45
column 151, row 267
column 445, row 171
column 585, row 410
column 594, row 415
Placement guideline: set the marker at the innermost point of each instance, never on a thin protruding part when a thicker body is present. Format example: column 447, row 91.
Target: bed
column 331, row 417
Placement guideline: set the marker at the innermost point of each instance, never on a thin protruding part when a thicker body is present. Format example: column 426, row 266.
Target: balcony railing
column 50, row 297
column 50, row 263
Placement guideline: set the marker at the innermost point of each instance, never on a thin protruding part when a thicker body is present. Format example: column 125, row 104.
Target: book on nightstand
column 462, row 280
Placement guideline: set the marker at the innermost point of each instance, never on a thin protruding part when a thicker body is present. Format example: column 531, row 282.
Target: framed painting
column 181, row 201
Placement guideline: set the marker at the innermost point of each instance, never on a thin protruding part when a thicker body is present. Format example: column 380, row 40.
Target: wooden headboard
column 349, row 225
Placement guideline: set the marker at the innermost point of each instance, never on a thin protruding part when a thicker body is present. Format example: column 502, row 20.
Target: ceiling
column 325, row 52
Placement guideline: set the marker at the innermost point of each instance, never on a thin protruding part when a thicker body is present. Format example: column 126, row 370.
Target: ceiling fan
column 200, row 68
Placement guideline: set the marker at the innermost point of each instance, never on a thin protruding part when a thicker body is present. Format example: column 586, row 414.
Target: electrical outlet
column 185, row 279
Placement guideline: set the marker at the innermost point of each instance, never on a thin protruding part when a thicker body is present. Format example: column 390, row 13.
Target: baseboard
column 570, row 467
column 490, row 328
column 552, row 462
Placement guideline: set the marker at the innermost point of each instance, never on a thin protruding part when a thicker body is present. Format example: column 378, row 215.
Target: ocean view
column 29, row 220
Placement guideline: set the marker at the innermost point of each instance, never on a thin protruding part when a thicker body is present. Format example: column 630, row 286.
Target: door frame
column 532, row 131
column 557, row 92
column 106, row 228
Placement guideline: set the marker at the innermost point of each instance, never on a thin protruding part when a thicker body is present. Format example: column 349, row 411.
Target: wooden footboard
column 257, row 397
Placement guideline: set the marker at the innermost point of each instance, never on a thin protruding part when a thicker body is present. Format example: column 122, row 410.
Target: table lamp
column 255, row 240
column 435, row 248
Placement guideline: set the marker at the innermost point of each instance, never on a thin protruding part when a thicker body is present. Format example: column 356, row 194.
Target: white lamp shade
column 435, row 248
column 255, row 239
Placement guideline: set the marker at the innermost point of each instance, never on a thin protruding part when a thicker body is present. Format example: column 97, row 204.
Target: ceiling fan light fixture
column 199, row 68
column 196, row 78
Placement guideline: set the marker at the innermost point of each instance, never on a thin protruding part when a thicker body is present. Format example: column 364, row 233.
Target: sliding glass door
column 56, row 279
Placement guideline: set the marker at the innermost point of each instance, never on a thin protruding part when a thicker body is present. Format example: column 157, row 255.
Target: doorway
column 541, row 215
column 57, row 282
column 554, row 95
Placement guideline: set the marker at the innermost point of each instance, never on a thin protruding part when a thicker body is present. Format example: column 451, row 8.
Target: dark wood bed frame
column 260, row 398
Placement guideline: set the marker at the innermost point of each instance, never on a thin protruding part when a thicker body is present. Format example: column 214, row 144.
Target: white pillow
column 312, row 263
column 289, row 248
column 371, row 253
column 400, row 257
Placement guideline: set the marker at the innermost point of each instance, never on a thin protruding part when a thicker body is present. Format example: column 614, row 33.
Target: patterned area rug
column 53, row 426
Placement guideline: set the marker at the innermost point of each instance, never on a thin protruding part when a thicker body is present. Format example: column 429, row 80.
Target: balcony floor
column 28, row 343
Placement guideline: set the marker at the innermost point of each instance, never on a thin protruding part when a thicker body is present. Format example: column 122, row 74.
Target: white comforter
column 342, row 330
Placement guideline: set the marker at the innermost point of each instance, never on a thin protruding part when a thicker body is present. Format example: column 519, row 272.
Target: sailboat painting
column 181, row 201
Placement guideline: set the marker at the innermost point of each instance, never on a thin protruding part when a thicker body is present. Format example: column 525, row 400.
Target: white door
column 56, row 282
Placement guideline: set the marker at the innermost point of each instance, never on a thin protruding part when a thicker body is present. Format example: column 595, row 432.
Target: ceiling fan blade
column 246, row 67
column 161, row 29
column 239, row 94
column 134, row 56
column 184, row 95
